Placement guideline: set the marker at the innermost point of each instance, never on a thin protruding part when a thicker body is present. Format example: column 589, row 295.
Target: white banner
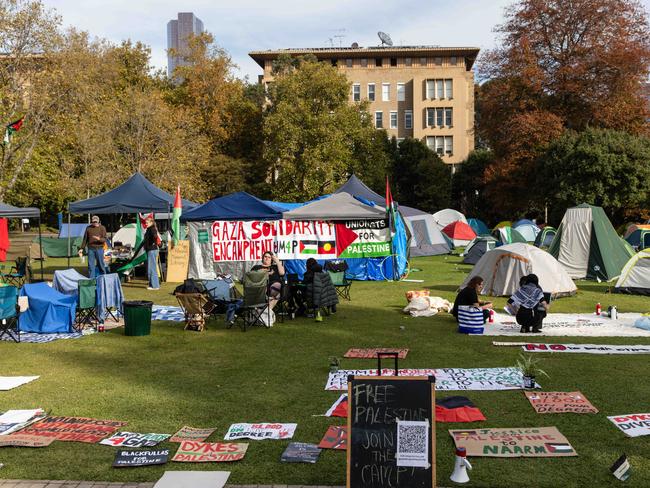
column 586, row 348
column 260, row 431
column 634, row 424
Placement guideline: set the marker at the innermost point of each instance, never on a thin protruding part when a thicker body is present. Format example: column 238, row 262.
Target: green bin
column 137, row 317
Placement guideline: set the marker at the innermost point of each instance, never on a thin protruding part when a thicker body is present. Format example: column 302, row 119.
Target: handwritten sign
column 633, row 424
column 559, row 402
column 260, row 431
column 372, row 353
column 76, row 429
column 516, row 442
column 178, row 262
column 133, row 439
column 191, row 434
column 22, row 440
column 209, row 452
column 587, row 348
column 130, row 459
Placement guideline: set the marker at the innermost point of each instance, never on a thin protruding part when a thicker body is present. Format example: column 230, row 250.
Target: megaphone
column 460, row 468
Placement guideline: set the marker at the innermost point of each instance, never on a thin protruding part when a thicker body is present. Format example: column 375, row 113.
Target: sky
column 250, row 25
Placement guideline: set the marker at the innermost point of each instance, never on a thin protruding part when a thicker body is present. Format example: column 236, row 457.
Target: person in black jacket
column 151, row 243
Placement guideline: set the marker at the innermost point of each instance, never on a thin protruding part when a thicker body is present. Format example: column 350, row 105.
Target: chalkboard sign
column 391, row 427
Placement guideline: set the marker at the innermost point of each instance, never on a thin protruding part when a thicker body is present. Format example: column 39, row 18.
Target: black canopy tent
column 137, row 194
column 9, row 211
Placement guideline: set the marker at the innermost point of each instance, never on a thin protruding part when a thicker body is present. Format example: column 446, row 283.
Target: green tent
column 507, row 235
column 587, row 245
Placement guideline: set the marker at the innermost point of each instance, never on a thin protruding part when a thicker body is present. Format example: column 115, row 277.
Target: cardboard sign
column 191, row 434
column 23, row 440
column 372, row 353
column 260, row 431
column 300, row 452
column 633, row 425
column 336, row 437
column 560, row 402
column 75, row 429
column 130, row 459
column 14, row 420
column 179, row 261
column 587, row 348
column 133, row 439
column 526, row 442
column 209, row 452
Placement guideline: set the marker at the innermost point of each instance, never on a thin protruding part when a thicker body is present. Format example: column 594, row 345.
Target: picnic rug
column 163, row 312
column 37, row 338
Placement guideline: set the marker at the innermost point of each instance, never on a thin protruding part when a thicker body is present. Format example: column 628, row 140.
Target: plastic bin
column 137, row 317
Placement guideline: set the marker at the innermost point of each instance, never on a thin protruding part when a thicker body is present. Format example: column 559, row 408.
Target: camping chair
column 341, row 284
column 19, row 274
column 193, row 305
column 9, row 312
column 256, row 300
column 222, row 299
column 87, row 304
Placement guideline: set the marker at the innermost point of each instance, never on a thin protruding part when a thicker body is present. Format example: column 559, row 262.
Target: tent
column 587, row 245
column 507, row 235
column 459, row 232
column 527, row 231
column 503, row 223
column 74, row 230
column 545, row 237
column 523, row 222
column 426, row 238
column 479, row 246
column 503, row 267
column 448, row 216
column 639, row 238
column 635, row 277
column 339, row 206
column 236, row 206
column 634, row 227
column 126, row 235
column 9, row 211
column 479, row 227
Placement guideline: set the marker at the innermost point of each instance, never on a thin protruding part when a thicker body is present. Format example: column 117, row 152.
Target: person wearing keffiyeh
column 529, row 299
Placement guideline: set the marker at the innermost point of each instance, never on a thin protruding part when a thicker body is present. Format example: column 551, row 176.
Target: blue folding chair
column 9, row 312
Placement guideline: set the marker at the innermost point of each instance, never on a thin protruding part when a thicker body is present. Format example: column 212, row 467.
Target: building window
column 431, row 117
column 356, row 92
column 431, row 142
column 401, row 92
column 449, row 88
column 440, row 141
column 364, row 62
column 423, row 61
column 448, row 117
column 440, row 116
column 385, row 92
column 453, row 60
column 449, row 145
column 408, row 62
column 348, row 62
column 378, row 62
column 393, row 62
column 440, row 89
column 438, row 62
column 431, row 89
column 371, row 92
column 408, row 119
column 393, row 119
column 379, row 120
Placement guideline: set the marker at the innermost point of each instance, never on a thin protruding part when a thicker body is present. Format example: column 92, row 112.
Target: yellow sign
column 178, row 262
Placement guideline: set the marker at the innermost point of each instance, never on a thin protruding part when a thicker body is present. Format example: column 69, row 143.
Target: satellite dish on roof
column 355, row 45
column 385, row 38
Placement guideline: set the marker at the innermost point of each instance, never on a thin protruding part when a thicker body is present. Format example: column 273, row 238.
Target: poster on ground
column 587, row 348
column 23, row 440
column 193, row 479
column 371, row 353
column 261, row 431
column 516, row 442
column 560, row 402
column 133, row 439
column 300, row 452
column 74, row 429
column 633, row 424
column 191, row 434
column 336, row 437
column 132, row 459
column 11, row 382
column 210, row 452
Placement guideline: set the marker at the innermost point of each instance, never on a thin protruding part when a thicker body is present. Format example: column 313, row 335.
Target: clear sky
column 247, row 25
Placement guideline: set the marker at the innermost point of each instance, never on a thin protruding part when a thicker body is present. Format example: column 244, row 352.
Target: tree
column 468, row 184
column 421, row 179
column 602, row 167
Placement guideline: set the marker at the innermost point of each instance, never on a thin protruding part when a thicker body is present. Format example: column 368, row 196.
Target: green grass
column 172, row 378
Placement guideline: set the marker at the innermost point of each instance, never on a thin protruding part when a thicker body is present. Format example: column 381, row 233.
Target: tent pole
column 40, row 244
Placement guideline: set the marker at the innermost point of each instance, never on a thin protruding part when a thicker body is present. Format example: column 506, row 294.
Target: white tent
column 426, row 238
column 448, row 216
column 635, row 277
column 528, row 231
column 125, row 235
column 503, row 267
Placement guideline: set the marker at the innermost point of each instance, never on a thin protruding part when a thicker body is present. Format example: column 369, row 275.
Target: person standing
column 94, row 240
column 151, row 243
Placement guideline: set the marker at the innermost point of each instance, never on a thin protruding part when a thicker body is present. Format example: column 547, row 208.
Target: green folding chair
column 9, row 312
column 18, row 275
column 341, row 284
column 86, row 315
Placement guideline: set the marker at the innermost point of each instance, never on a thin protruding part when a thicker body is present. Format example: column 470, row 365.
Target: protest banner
column 260, row 431
column 560, row 402
column 587, row 348
column 446, row 378
column 632, row 425
column 15, row 420
column 363, row 238
column 23, row 440
column 209, row 452
column 516, row 442
column 336, row 437
column 300, row 452
column 191, row 434
column 130, row 459
column 372, row 353
column 133, row 439
column 74, row 429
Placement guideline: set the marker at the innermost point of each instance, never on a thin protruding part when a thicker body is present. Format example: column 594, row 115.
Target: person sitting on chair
column 469, row 296
column 274, row 267
column 531, row 305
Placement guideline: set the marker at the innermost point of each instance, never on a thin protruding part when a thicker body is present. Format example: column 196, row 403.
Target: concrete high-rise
column 178, row 32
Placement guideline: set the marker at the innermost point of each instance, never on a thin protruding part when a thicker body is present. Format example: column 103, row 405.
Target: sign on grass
column 22, row 440
column 300, row 452
column 560, row 402
column 133, row 439
column 372, row 352
column 191, row 434
column 587, row 348
column 210, row 452
column 76, row 429
column 260, row 431
column 336, row 437
column 633, row 425
column 130, row 459
column 526, row 442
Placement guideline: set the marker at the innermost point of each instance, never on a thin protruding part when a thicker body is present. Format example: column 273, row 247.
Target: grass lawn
column 173, row 378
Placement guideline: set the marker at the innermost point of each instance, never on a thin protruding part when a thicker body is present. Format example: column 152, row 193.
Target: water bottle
column 614, row 313
column 598, row 309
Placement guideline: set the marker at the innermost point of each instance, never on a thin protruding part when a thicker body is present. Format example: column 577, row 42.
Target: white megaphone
column 460, row 468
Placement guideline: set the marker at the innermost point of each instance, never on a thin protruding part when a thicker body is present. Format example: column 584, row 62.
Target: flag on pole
column 11, row 128
column 176, row 216
column 390, row 208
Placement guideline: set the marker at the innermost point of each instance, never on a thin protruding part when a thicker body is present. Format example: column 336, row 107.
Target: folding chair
column 9, row 312
column 256, row 300
column 87, row 305
column 341, row 283
column 222, row 299
column 193, row 305
column 19, row 274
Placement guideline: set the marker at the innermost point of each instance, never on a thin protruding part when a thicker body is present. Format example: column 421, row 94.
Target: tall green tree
column 468, row 185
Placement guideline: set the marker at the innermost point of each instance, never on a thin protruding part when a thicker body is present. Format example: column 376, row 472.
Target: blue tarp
column 479, row 227
column 73, row 230
column 137, row 194
column 49, row 311
column 109, row 289
column 236, row 206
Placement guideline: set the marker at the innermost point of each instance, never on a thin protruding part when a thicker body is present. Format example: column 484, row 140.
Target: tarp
column 635, row 276
column 137, row 194
column 17, row 212
column 54, row 247
column 460, row 233
column 339, row 206
column 66, row 281
column 447, row 216
column 236, row 206
column 479, row 227
column 72, row 230
column 49, row 311
column 503, row 267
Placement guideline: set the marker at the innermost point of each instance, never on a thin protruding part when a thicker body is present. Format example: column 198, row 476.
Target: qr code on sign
column 412, row 444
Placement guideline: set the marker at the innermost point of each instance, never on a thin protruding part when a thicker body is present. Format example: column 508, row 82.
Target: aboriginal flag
column 457, row 409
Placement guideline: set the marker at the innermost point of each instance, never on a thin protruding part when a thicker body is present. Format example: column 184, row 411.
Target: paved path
column 100, row 484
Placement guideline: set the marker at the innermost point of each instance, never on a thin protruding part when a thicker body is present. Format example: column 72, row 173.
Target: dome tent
column 479, row 246
column 503, row 267
column 507, row 235
column 448, row 216
column 527, row 231
column 635, row 277
column 426, row 238
column 479, row 227
column 545, row 237
column 460, row 233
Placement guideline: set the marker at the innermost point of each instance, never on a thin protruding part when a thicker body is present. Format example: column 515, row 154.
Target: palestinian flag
column 390, row 208
column 11, row 128
column 176, row 216
column 621, row 468
column 339, row 408
column 457, row 409
column 308, row 247
column 558, row 447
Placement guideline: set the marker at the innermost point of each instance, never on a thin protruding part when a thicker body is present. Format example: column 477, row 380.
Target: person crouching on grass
column 468, row 296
